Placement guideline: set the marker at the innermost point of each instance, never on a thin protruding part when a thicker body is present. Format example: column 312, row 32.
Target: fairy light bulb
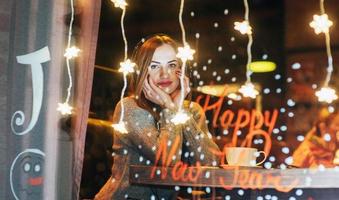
column 64, row 108
column 248, row 90
column 326, row 94
column 127, row 66
column 72, row 52
column 119, row 3
column 180, row 118
column 243, row 27
column 185, row 53
column 120, row 127
column 321, row 23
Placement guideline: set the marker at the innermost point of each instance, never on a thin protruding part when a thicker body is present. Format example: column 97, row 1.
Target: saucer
column 233, row 166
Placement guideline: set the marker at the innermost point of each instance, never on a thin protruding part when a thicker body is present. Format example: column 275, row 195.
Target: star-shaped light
column 326, row 94
column 120, row 127
column 127, row 66
column 72, row 52
column 64, row 108
column 243, row 27
column 119, row 3
column 248, row 90
column 185, row 53
column 321, row 23
column 180, row 118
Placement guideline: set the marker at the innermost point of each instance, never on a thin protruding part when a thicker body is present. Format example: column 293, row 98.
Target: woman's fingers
column 147, row 85
column 151, row 94
column 153, row 98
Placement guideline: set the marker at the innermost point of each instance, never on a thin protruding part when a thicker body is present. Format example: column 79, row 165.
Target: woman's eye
column 153, row 66
column 173, row 65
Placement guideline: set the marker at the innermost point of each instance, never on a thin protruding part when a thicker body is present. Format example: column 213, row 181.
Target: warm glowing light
column 72, row 52
column 243, row 27
column 180, row 118
column 326, row 94
column 262, row 66
column 185, row 53
column 248, row 90
column 119, row 3
column 127, row 66
column 234, row 96
column 64, row 108
column 321, row 23
column 120, row 127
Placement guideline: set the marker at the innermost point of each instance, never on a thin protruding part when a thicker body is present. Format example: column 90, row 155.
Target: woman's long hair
column 142, row 56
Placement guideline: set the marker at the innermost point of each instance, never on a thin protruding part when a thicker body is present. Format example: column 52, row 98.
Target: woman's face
column 163, row 68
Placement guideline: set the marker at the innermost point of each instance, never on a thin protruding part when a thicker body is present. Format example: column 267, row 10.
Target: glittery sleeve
column 200, row 143
column 146, row 138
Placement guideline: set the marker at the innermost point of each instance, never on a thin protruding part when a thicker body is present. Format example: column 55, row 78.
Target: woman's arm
column 144, row 136
column 197, row 138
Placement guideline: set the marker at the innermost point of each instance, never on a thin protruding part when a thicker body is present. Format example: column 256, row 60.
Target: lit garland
column 243, row 27
column 119, row 4
column 321, row 24
column 326, row 94
column 184, row 53
column 126, row 67
column 247, row 90
column 70, row 52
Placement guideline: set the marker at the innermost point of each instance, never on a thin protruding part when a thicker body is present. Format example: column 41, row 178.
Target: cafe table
column 227, row 177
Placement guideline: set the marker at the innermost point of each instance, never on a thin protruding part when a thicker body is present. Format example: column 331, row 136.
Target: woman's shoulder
column 128, row 103
column 130, row 100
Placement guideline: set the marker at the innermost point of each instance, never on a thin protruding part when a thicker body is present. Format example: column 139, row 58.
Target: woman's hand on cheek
column 168, row 103
column 156, row 95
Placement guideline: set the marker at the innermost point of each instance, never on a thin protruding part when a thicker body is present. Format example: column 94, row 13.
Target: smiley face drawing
column 26, row 175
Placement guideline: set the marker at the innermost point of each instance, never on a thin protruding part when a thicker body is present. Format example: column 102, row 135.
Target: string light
column 243, row 27
column 126, row 67
column 247, row 90
column 119, row 3
column 184, row 53
column 120, row 127
column 70, row 52
column 64, row 108
column 180, row 118
column 326, row 94
column 321, row 24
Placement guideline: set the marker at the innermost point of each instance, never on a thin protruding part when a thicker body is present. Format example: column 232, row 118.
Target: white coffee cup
column 243, row 156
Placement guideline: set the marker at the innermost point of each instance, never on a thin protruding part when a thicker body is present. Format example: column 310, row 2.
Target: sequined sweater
column 139, row 147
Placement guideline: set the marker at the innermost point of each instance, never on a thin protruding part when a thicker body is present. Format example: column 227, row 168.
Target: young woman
column 148, row 113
